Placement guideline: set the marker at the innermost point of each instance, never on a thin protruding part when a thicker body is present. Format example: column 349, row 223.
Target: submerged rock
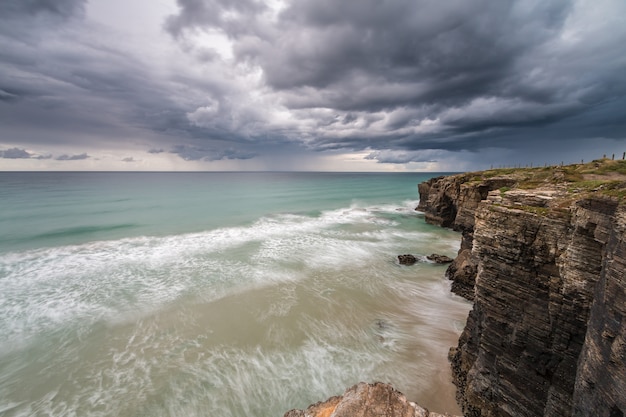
column 365, row 400
column 407, row 259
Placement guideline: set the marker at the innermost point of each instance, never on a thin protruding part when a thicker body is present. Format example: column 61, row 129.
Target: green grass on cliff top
column 604, row 176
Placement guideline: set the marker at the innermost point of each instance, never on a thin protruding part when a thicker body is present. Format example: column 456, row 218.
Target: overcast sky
column 341, row 85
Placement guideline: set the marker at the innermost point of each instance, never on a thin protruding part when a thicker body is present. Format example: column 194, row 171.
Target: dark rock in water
column 381, row 324
column 381, row 327
column 365, row 400
column 407, row 259
column 440, row 259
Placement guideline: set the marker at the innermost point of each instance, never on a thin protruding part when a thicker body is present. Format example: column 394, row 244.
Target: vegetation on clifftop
column 605, row 177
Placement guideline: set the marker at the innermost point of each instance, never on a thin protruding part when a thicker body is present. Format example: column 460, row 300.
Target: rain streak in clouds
column 310, row 84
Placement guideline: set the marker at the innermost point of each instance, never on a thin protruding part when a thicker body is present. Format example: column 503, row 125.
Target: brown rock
column 365, row 400
column 440, row 259
column 407, row 259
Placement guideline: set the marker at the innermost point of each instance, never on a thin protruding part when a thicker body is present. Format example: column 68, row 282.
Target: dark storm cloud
column 435, row 52
column 60, row 85
column 411, row 75
column 402, row 80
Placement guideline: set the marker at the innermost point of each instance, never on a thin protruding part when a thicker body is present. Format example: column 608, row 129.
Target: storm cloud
column 398, row 82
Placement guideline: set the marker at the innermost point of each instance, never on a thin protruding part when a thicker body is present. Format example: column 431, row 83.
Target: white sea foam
column 236, row 320
column 46, row 288
column 281, row 309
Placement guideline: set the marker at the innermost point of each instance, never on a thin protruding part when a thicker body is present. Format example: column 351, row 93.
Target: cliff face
column 543, row 257
column 600, row 387
column 452, row 202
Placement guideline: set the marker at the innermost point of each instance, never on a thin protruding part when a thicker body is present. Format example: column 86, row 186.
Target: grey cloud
column 457, row 48
column 85, row 90
column 64, row 8
column 231, row 15
column 195, row 153
column 72, row 85
column 403, row 157
column 78, row 157
column 399, row 79
column 129, row 159
column 6, row 96
column 15, row 153
column 27, row 20
column 440, row 75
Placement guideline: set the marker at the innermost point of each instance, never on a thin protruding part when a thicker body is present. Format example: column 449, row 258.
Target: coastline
column 542, row 257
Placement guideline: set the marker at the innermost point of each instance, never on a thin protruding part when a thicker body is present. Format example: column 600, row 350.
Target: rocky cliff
column 543, row 257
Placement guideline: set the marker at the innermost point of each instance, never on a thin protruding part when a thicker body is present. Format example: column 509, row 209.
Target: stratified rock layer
column 544, row 259
column 600, row 388
column 365, row 400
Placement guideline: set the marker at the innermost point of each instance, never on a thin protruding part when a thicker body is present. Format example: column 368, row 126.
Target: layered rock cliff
column 543, row 257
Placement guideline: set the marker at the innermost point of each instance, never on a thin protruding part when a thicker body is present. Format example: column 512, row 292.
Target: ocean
column 229, row 294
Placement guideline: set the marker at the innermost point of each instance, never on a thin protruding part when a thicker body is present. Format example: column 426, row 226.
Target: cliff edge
column 543, row 257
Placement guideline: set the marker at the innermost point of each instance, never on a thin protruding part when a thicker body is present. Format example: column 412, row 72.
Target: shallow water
column 136, row 294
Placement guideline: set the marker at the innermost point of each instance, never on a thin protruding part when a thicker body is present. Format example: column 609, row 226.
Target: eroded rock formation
column 365, row 400
column 543, row 256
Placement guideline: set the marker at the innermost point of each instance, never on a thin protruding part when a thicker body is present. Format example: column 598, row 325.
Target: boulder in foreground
column 366, row 400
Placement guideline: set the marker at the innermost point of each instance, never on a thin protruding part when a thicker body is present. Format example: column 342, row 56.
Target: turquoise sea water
column 231, row 294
